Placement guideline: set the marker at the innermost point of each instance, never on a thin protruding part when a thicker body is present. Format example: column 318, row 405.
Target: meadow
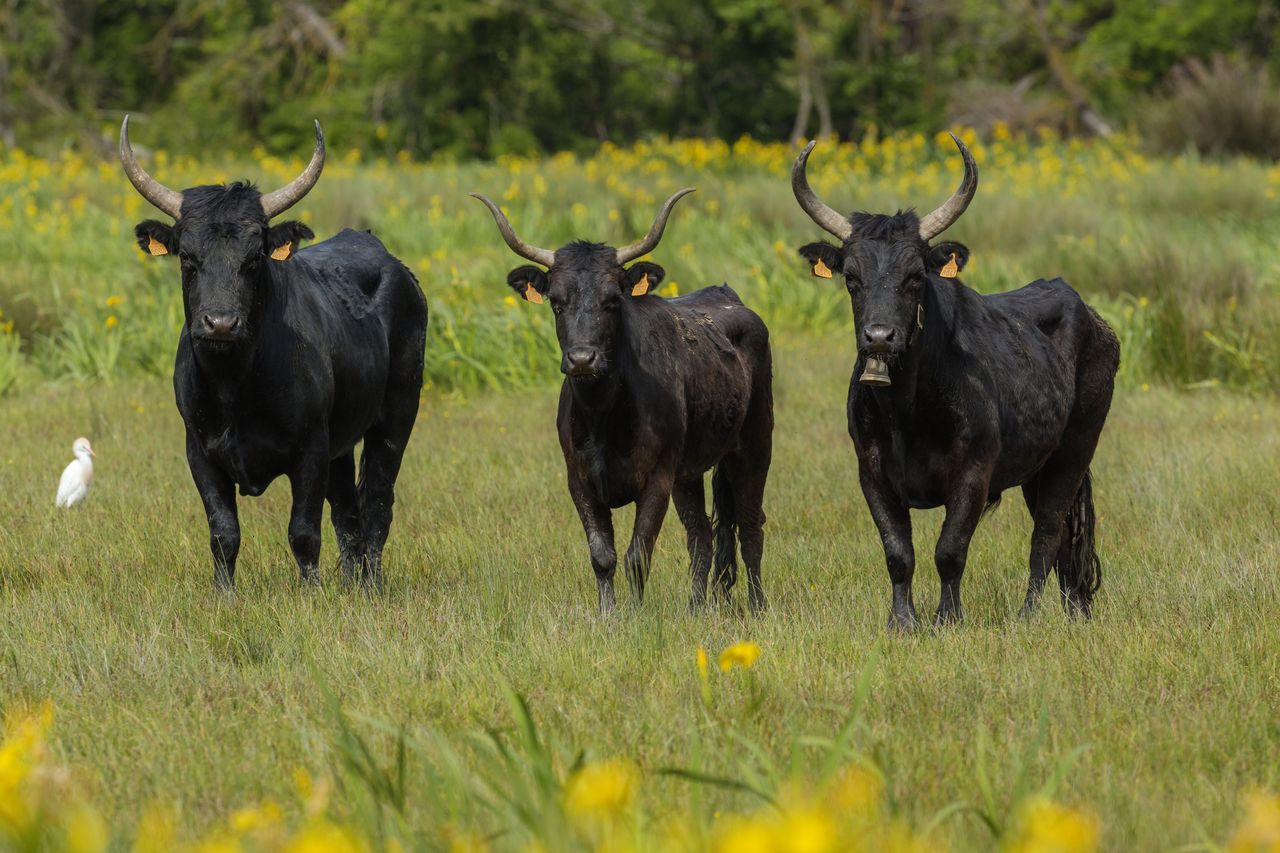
column 482, row 703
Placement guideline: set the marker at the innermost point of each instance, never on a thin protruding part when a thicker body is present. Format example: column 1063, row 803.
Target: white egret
column 73, row 488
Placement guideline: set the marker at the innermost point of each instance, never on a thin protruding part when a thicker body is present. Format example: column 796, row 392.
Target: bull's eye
column 557, row 307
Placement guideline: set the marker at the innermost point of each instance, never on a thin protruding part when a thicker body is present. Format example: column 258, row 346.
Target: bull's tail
column 1077, row 565
column 724, row 523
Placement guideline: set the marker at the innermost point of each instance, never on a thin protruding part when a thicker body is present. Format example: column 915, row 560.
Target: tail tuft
column 1077, row 565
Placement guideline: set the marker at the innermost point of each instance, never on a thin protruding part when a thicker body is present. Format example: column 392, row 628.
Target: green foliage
column 1221, row 107
column 462, row 79
column 167, row 693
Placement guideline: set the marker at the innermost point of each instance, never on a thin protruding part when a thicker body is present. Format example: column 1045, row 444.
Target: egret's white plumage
column 73, row 488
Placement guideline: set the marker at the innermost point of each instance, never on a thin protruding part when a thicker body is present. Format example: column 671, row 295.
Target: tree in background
column 468, row 78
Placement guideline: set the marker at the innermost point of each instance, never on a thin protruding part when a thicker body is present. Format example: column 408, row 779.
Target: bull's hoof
column 607, row 602
column 947, row 617
column 903, row 622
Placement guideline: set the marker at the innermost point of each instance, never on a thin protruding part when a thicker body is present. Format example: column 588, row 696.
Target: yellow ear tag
column 820, row 269
column 950, row 269
column 155, row 247
column 641, row 286
column 531, row 294
column 282, row 253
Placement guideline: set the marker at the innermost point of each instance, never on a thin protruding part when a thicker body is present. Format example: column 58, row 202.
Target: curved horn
column 167, row 200
column 827, row 218
column 643, row 247
column 538, row 255
column 278, row 201
column 946, row 215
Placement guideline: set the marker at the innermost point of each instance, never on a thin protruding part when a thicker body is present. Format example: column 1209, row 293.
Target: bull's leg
column 1050, row 497
column 218, row 494
column 380, row 460
column 597, row 523
column 344, row 510
column 310, row 483
column 1055, row 490
column 964, row 509
column 893, row 521
column 746, row 479
column 651, row 509
column 690, row 500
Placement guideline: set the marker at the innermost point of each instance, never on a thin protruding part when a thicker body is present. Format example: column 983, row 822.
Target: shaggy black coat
column 285, row 363
column 986, row 393
column 656, row 393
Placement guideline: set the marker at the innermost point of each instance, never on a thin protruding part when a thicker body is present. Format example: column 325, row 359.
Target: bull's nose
column 878, row 338
column 220, row 325
column 580, row 359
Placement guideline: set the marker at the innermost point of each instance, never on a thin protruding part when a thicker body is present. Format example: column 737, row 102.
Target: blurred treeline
column 477, row 78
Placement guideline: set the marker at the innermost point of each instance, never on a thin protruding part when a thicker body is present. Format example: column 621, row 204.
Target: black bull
column 656, row 392
column 287, row 360
column 957, row 396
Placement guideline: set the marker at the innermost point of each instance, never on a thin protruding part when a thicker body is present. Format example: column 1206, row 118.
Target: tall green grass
column 1175, row 252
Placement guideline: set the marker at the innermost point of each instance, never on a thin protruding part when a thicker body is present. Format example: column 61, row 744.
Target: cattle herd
column 289, row 357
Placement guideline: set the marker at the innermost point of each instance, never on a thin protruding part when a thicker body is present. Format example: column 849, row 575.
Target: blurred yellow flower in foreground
column 1260, row 831
column 112, row 321
column 742, row 654
column 1044, row 826
column 21, row 754
column 602, row 789
column 114, row 301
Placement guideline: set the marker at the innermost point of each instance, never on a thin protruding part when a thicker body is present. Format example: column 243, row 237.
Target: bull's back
column 1047, row 342
column 724, row 347
column 367, row 316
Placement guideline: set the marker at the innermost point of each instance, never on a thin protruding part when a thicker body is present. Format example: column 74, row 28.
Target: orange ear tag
column 282, row 253
column 950, row 269
column 820, row 269
column 155, row 247
column 532, row 295
column 641, row 286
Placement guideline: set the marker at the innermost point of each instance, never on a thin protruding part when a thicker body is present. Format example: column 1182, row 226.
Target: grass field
column 166, row 692
column 1148, row 724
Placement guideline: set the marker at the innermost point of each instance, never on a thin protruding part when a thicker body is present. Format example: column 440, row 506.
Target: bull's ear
column 643, row 277
column 528, row 281
column 824, row 259
column 155, row 238
column 283, row 239
column 948, row 258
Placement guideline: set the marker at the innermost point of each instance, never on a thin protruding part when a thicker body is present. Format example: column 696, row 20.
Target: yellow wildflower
column 86, row 832
column 746, row 835
column 808, row 830
column 114, row 301
column 858, row 791
column 325, row 837
column 1260, row 831
column 1044, row 826
column 254, row 818
column 702, row 676
column 601, row 789
column 742, row 654
column 155, row 831
column 509, row 301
